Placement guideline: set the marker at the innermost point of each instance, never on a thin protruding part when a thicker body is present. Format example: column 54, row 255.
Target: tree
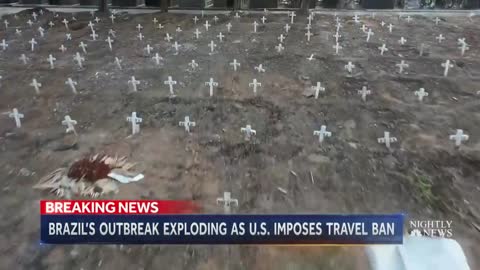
column 103, row 6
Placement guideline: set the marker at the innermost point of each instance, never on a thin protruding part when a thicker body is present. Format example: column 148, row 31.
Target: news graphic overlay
column 174, row 222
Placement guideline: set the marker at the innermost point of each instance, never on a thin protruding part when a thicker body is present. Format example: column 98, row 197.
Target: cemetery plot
column 243, row 113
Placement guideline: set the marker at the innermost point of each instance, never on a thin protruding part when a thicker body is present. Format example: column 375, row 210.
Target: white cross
column 349, row 67
column 133, row 83
column 464, row 47
column 369, row 34
column 459, row 137
column 41, row 31
column 70, row 123
column 111, row 32
column 109, row 41
column 227, row 201
column 155, row 21
column 287, row 27
column 447, row 66
column 363, row 28
column 318, row 88
column 168, row 38
column 148, row 49
column 311, row 57
column 83, row 46
column 308, row 27
column 254, row 84
column 229, row 26
column 309, row 35
column 421, row 94
column 401, row 66
column 207, row 25
column 36, row 85
column 170, row 83
column 387, row 139
column 249, row 132
column 402, row 41
column 220, row 36
column 211, row 83
column 94, row 35
column 212, row 46
column 310, row 18
column 79, row 59
column 112, row 17
column 195, row 19
column 382, row 23
column 51, row 24
column 338, row 25
column 134, row 120
column 235, row 64
column 356, row 18
column 193, row 64
column 292, row 15
column 72, row 84
column 65, row 22
column 337, row 47
column 383, row 49
column 30, row 23
column 178, row 30
column 32, row 43
column 18, row 31
column 91, row 25
column 197, row 33
column 17, row 116
column 279, row 47
column 24, row 58
column 176, row 46
column 34, row 15
column 6, row 23
column 139, row 27
column 409, row 19
column 237, row 16
column 264, row 19
column 97, row 20
column 51, row 59
column 281, row 38
column 461, row 41
column 259, row 68
column 215, row 19
column 440, row 38
column 118, row 62
column 160, row 26
column 4, row 44
column 437, row 20
column 364, row 92
column 140, row 36
column 337, row 36
column 187, row 124
column 322, row 133
column 390, row 28
column 62, row 48
column 157, row 58
column 255, row 24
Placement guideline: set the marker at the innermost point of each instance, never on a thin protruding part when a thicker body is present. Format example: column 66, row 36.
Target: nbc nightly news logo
column 431, row 228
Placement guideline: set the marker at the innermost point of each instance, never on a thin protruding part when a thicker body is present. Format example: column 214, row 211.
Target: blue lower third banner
column 222, row 229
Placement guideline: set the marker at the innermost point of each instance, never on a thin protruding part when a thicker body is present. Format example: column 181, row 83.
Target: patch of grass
column 423, row 186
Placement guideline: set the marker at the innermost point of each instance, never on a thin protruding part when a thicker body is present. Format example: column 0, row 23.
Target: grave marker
column 281, row 38
column 287, row 28
column 207, row 25
column 212, row 46
column 387, row 140
column 109, row 41
column 254, row 84
column 187, row 124
column 17, row 116
column 458, row 137
column 70, row 123
column 364, row 92
column 447, row 65
column 292, row 16
column 140, row 36
column 170, row 83
column 41, row 31
column 72, row 85
column 168, row 38
column 229, row 26
column 349, row 67
column 148, row 49
column 135, row 123
column 249, row 132
column 65, row 22
column 383, row 49
column 279, row 47
column 337, row 47
column 139, row 27
column 197, row 33
column 94, row 35
column 464, row 47
column 133, row 82
column 112, row 18
column 255, row 24
column 309, row 35
column 211, row 83
column 157, row 58
column 390, row 28
column 69, row 36
column 193, row 64
column 402, row 41
column 322, row 133
column 421, row 94
column 83, row 46
column 401, row 66
column 79, row 59
column 4, row 44
column 227, row 201
column 440, row 38
column 318, row 88
column 118, row 62
column 51, row 60
column 220, row 36
column 176, row 47
column 259, row 68
column 195, row 20
column 264, row 19
column 23, row 58
column 369, row 34
column 33, row 42
column 36, row 85
column 62, row 48
column 235, row 64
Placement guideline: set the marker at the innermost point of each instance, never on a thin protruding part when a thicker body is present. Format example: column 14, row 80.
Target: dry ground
column 423, row 174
